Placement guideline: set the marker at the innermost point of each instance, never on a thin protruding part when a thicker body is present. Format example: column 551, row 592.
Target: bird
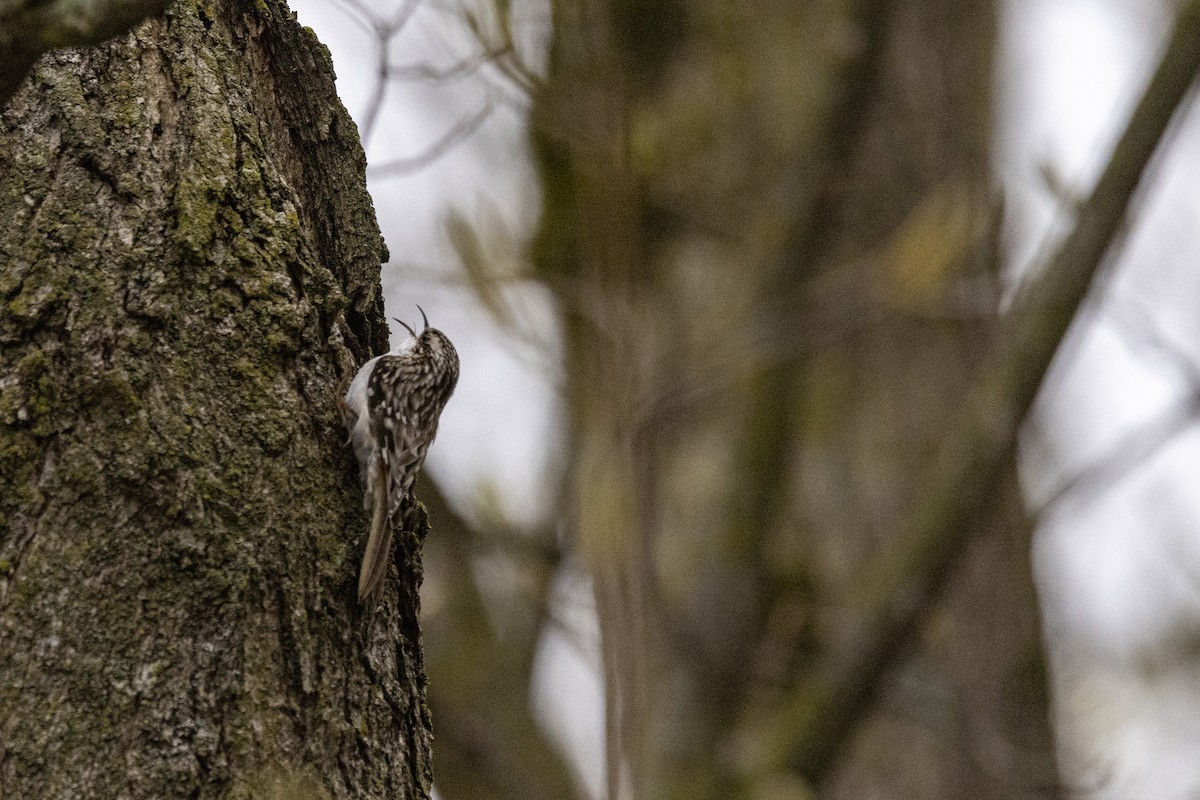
column 391, row 413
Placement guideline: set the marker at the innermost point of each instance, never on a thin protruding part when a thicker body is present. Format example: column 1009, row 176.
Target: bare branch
column 363, row 14
column 468, row 66
column 453, row 137
column 402, row 17
column 1131, row 451
column 378, row 91
column 813, row 727
column 1139, row 329
column 360, row 15
column 1143, row 442
column 508, row 61
column 385, row 30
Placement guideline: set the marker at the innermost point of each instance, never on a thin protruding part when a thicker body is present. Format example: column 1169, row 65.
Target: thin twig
column 378, row 91
column 1130, row 451
column 461, row 69
column 402, row 16
column 455, row 136
column 1140, row 444
column 360, row 15
column 1139, row 329
column 384, row 31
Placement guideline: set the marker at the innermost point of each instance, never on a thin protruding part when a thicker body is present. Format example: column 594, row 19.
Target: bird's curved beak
column 405, row 325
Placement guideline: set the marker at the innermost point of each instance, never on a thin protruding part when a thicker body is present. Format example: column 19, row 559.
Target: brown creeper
column 391, row 411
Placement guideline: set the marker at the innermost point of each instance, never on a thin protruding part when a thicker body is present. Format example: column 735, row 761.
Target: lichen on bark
column 189, row 272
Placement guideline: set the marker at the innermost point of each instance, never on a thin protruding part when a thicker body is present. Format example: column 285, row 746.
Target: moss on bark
column 189, row 271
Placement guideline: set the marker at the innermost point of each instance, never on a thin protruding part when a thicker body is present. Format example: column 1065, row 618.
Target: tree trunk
column 189, row 266
column 774, row 233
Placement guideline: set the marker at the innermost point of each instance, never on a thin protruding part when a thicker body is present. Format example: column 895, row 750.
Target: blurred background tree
column 772, row 235
column 770, row 246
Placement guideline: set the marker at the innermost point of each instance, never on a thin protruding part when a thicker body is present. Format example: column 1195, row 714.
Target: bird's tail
column 379, row 543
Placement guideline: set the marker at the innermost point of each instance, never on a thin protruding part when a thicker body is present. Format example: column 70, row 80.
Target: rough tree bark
column 189, row 266
column 28, row 28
